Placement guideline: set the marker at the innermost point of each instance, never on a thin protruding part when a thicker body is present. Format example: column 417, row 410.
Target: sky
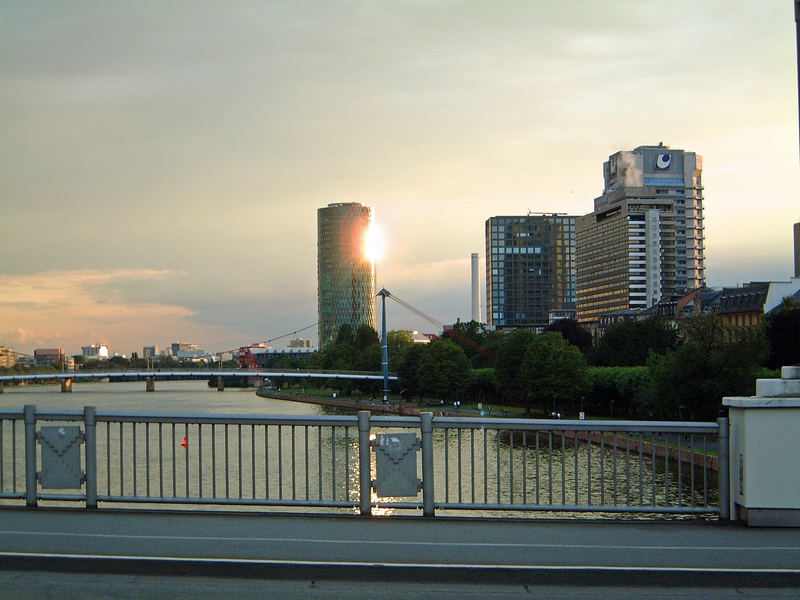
column 162, row 163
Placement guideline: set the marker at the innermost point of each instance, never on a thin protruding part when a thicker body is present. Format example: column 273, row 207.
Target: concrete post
column 66, row 386
column 764, row 487
column 364, row 464
column 150, row 386
column 724, row 473
column 30, row 455
column 426, row 427
column 220, row 383
column 90, row 426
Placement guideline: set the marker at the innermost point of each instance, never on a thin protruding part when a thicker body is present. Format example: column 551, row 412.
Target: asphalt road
column 47, row 585
column 396, row 551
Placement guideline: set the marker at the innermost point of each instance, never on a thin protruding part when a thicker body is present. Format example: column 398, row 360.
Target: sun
column 373, row 243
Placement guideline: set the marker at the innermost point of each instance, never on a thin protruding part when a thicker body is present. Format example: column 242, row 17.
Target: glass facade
column 345, row 275
column 530, row 268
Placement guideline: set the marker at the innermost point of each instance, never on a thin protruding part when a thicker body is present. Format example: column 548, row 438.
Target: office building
column 644, row 240
column 50, row 356
column 345, row 274
column 530, row 268
column 95, row 352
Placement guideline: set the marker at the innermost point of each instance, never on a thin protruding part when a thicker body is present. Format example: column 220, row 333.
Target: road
column 411, row 555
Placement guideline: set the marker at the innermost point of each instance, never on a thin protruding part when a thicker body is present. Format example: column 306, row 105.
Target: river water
column 483, row 466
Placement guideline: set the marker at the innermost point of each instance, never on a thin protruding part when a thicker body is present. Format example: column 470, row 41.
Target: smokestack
column 797, row 249
column 476, row 299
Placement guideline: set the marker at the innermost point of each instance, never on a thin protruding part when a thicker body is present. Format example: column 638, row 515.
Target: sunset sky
column 162, row 162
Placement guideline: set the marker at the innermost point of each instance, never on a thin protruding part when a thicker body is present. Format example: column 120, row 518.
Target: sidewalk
column 347, row 547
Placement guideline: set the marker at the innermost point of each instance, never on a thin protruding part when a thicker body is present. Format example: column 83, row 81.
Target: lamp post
column 384, row 346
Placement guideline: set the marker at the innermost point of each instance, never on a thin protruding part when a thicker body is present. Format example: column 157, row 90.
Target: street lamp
column 384, row 346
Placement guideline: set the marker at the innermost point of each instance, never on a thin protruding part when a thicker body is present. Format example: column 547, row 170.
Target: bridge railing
column 467, row 465
column 192, row 373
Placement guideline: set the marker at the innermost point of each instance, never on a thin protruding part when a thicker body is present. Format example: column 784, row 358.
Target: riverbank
column 409, row 409
column 659, row 448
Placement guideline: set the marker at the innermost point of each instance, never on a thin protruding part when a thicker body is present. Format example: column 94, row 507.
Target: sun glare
column 373, row 243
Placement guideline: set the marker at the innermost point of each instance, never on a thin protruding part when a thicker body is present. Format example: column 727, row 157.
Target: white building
column 95, row 352
column 644, row 240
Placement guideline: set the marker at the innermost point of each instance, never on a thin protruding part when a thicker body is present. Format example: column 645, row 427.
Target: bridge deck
column 661, row 552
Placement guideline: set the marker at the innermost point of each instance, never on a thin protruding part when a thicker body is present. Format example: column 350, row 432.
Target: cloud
column 74, row 308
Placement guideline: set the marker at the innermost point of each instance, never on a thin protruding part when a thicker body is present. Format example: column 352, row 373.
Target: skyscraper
column 644, row 239
column 530, row 268
column 345, row 274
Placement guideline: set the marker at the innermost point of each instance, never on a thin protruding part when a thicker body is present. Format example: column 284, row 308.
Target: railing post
column 364, row 462
column 91, row 456
column 30, row 455
column 724, row 469
column 426, row 428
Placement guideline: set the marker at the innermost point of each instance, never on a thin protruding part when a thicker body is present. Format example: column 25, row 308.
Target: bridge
column 151, row 375
column 171, row 494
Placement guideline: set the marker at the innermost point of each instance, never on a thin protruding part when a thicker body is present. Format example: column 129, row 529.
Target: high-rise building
column 644, row 240
column 8, row 358
column 530, row 268
column 797, row 249
column 345, row 274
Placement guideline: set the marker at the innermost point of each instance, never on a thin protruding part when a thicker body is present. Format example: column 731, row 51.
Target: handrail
column 475, row 464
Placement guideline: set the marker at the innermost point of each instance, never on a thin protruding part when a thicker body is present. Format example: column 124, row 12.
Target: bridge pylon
column 66, row 386
column 150, row 386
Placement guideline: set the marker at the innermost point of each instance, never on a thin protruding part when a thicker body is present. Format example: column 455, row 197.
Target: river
column 551, row 472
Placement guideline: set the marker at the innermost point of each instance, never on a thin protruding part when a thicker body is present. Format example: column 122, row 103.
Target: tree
column 118, row 362
column 408, row 369
column 444, row 369
column 714, row 361
column 573, row 333
column 629, row 343
column 365, row 337
column 553, row 372
column 782, row 328
column 397, row 342
column 482, row 388
column 509, row 362
column 345, row 334
column 469, row 336
column 620, row 391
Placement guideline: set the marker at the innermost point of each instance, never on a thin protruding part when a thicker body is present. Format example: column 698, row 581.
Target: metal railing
column 480, row 465
column 200, row 373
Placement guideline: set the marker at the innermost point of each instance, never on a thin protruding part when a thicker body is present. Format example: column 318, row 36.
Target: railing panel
column 261, row 462
column 583, row 469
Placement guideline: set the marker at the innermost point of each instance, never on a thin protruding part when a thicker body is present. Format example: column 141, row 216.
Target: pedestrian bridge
column 363, row 497
column 150, row 376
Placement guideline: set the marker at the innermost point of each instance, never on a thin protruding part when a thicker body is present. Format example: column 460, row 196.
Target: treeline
column 639, row 369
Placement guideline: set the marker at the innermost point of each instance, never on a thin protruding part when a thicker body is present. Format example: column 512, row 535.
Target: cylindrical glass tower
column 345, row 274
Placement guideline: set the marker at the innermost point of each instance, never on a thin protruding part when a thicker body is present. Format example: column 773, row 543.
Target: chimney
column 476, row 299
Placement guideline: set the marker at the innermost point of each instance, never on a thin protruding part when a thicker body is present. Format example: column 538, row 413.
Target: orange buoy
column 184, row 444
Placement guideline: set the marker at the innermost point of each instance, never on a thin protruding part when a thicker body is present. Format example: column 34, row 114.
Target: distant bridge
column 151, row 375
